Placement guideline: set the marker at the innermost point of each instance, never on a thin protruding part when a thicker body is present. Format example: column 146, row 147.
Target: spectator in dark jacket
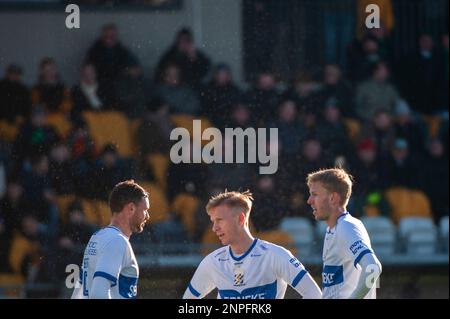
column 50, row 92
column 337, row 89
column 434, row 179
column 401, row 169
column 194, row 64
column 178, row 95
column 422, row 78
column 15, row 99
column 110, row 58
column 220, row 95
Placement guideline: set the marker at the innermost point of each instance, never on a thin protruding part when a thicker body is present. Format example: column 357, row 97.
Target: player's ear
column 335, row 198
column 131, row 207
column 241, row 218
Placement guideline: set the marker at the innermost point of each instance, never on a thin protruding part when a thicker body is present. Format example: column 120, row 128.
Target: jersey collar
column 114, row 227
column 246, row 253
column 329, row 230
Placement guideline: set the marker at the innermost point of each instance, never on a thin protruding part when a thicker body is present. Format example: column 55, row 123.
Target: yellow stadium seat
column 186, row 206
column 63, row 202
column 110, row 127
column 96, row 212
column 159, row 163
column 279, row 237
column 159, row 206
column 103, row 213
column 8, row 131
column 60, row 123
column 407, row 203
column 11, row 285
column 21, row 248
column 371, row 211
column 353, row 128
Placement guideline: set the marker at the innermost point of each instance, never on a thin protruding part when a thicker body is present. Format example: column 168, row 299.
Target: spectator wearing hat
column 15, row 99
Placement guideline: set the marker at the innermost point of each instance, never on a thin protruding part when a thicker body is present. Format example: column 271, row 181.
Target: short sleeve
column 201, row 283
column 354, row 242
column 111, row 259
column 288, row 267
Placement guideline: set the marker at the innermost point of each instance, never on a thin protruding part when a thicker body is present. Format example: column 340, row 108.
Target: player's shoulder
column 112, row 236
column 349, row 223
column 266, row 247
column 350, row 226
column 218, row 254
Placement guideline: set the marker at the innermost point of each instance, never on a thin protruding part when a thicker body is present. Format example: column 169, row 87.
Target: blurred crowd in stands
column 62, row 149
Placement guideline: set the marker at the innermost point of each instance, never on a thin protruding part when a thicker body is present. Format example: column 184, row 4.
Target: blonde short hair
column 239, row 200
column 334, row 180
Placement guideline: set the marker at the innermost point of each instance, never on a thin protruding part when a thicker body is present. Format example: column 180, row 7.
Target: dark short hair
column 124, row 193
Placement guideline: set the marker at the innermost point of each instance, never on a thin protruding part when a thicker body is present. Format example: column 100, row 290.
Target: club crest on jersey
column 239, row 279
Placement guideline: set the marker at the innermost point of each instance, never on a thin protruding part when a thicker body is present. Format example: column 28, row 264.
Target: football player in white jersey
column 350, row 267
column 110, row 269
column 246, row 268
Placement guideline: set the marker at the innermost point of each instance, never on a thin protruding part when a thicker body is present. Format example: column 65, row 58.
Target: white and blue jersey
column 263, row 272
column 344, row 246
column 110, row 255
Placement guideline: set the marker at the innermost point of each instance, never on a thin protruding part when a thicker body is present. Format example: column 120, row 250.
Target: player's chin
column 223, row 240
column 139, row 228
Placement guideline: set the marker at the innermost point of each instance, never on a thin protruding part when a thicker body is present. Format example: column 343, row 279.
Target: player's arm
column 371, row 271
column 291, row 270
column 108, row 268
column 100, row 288
column 357, row 247
column 201, row 283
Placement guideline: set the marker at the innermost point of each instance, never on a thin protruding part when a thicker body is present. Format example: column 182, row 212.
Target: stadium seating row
column 413, row 236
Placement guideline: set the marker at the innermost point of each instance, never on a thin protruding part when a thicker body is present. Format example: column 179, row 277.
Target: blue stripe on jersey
column 106, row 276
column 246, row 253
column 128, row 287
column 298, row 278
column 193, row 291
column 262, row 292
column 361, row 255
column 332, row 275
column 80, row 278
